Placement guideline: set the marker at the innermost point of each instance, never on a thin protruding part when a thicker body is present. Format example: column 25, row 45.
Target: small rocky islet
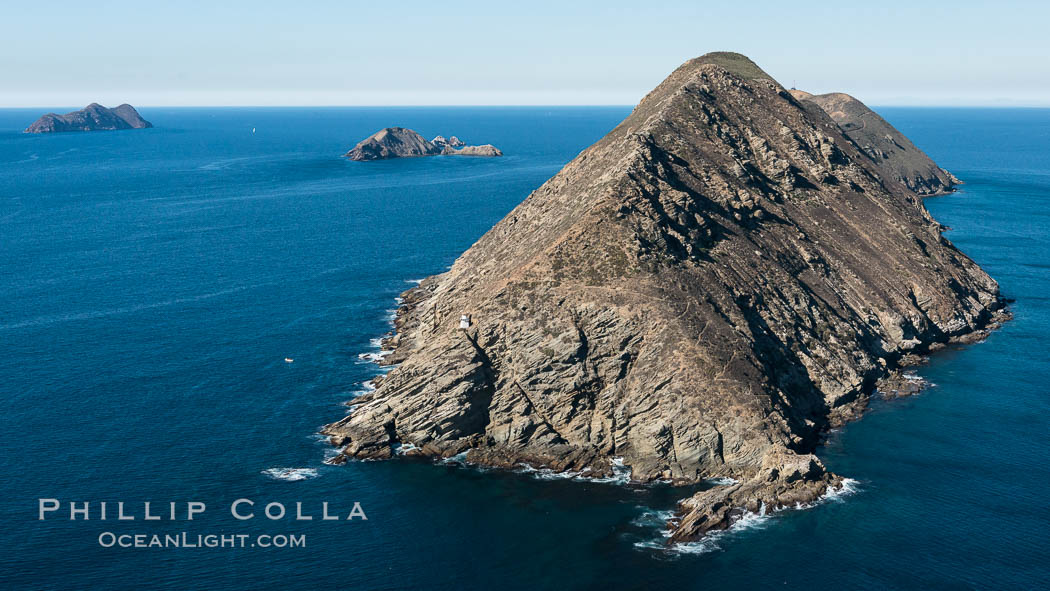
column 703, row 293
column 399, row 142
column 93, row 117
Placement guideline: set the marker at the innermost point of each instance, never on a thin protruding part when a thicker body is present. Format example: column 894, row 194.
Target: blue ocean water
column 153, row 283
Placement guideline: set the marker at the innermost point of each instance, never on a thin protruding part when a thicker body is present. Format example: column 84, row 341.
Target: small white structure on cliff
column 464, row 321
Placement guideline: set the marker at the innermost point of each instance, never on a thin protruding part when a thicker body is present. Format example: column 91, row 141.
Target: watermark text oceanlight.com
column 186, row 540
column 240, row 509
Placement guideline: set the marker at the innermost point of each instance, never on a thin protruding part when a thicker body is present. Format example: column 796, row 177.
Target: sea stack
column 398, row 142
column 896, row 155
column 93, row 117
column 701, row 293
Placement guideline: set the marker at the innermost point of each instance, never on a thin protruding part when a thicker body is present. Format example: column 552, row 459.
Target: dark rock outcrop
column 399, row 142
column 699, row 294
column 93, row 117
column 894, row 153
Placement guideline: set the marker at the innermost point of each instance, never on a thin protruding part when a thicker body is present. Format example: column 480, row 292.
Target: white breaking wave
column 652, row 518
column 374, row 357
column 291, row 474
column 545, row 473
column 749, row 521
column 366, row 387
column 710, row 541
column 849, row 487
column 460, row 458
column 620, row 474
column 377, row 354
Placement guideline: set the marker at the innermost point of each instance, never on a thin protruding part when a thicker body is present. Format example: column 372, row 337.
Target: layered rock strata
column 895, row 154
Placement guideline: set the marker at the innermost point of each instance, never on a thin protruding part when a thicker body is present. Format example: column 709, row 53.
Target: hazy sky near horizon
column 262, row 52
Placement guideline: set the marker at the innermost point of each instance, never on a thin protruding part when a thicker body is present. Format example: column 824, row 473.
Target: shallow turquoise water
column 154, row 281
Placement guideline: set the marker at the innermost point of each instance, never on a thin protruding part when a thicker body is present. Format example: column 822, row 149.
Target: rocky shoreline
column 786, row 482
column 704, row 293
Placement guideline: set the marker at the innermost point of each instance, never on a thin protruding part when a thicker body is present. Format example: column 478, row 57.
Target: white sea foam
column 749, row 521
column 366, row 387
column 403, row 448
column 849, row 487
column 548, row 474
column 374, row 357
column 722, row 481
column 653, row 518
column 710, row 542
column 378, row 352
column 291, row 474
column 413, row 281
column 621, row 474
column 460, row 458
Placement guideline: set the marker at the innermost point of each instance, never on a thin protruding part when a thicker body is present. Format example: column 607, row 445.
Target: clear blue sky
column 345, row 52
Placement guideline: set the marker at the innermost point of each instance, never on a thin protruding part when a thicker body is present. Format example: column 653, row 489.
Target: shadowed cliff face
column 700, row 293
column 893, row 153
column 93, row 117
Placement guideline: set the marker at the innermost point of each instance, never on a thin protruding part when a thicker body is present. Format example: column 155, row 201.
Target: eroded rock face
column 484, row 150
column 892, row 152
column 93, row 117
column 399, row 142
column 701, row 293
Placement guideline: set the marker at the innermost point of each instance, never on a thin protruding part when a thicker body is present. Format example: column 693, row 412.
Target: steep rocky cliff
column 892, row 151
column 93, row 117
column 699, row 294
column 398, row 142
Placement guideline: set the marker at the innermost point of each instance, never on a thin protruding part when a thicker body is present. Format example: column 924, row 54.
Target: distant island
column 93, row 117
column 399, row 142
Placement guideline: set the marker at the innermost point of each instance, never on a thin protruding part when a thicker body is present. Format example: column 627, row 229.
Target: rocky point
column 702, row 293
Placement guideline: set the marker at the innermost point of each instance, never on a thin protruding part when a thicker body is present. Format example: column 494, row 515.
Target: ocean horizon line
column 491, row 106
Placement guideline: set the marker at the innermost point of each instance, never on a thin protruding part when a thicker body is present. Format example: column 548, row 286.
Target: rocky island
column 700, row 294
column 894, row 152
column 398, row 142
column 93, row 117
